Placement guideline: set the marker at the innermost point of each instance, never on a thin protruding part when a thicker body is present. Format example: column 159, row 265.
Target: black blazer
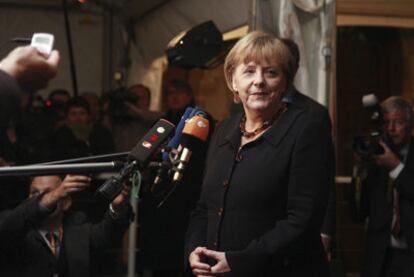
column 23, row 251
column 377, row 206
column 264, row 205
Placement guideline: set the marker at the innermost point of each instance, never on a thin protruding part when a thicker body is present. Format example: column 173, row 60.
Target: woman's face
column 260, row 85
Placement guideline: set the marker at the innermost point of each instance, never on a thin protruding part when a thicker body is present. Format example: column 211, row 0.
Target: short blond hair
column 259, row 46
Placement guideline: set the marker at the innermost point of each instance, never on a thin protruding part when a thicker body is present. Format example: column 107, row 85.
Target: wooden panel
column 408, row 67
column 368, row 61
column 404, row 8
column 374, row 21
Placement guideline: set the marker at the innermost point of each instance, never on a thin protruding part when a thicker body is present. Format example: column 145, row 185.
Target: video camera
column 367, row 145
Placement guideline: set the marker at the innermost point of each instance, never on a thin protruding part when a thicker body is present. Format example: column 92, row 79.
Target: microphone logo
column 161, row 130
column 201, row 124
column 154, row 137
column 147, row 144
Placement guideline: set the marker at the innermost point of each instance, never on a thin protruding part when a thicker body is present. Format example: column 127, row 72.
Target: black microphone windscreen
column 151, row 142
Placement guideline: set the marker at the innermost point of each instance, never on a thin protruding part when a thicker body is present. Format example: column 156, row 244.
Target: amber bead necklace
column 264, row 126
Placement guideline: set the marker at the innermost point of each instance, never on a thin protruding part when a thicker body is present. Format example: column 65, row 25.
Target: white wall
column 87, row 37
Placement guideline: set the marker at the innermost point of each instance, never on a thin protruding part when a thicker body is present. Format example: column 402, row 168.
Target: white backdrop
column 87, row 36
column 311, row 24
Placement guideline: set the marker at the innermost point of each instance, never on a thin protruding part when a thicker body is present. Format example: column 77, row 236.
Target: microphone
column 165, row 164
column 195, row 134
column 139, row 156
column 174, row 142
column 150, row 143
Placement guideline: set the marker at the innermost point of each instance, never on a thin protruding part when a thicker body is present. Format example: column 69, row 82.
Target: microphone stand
column 114, row 156
column 77, row 165
column 36, row 170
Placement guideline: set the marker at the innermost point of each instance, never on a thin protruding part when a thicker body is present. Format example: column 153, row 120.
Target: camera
column 367, row 145
column 117, row 100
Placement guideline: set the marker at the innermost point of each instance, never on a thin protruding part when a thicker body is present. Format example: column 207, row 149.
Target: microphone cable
column 136, row 184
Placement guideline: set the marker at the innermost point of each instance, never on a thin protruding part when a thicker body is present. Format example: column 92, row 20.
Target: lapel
column 280, row 128
column 36, row 237
column 231, row 131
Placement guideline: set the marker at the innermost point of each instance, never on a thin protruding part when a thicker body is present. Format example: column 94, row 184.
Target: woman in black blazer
column 268, row 171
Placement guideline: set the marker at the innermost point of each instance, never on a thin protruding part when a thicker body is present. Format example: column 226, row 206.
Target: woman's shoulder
column 307, row 103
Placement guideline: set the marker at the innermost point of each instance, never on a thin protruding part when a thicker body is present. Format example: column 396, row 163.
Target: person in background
column 43, row 237
column 59, row 96
column 137, row 119
column 267, row 177
column 94, row 105
column 78, row 137
column 179, row 96
column 328, row 228
column 55, row 106
column 388, row 195
column 165, row 208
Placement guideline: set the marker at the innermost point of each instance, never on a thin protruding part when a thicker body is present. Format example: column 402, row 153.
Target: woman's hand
column 202, row 269
column 198, row 268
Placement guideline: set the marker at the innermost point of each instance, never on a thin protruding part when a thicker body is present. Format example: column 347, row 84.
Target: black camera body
column 368, row 145
column 117, row 100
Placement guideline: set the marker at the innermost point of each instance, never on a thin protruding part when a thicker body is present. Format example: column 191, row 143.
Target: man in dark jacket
column 42, row 237
column 388, row 196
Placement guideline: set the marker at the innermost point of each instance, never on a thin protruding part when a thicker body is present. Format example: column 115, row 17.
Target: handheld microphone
column 139, row 157
column 150, row 143
column 195, row 134
column 165, row 164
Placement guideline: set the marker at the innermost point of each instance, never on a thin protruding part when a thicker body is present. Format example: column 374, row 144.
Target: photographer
column 388, row 194
column 130, row 115
column 79, row 137
column 43, row 236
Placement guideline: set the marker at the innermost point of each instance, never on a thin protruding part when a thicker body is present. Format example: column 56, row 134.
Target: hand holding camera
column 388, row 159
column 368, row 145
